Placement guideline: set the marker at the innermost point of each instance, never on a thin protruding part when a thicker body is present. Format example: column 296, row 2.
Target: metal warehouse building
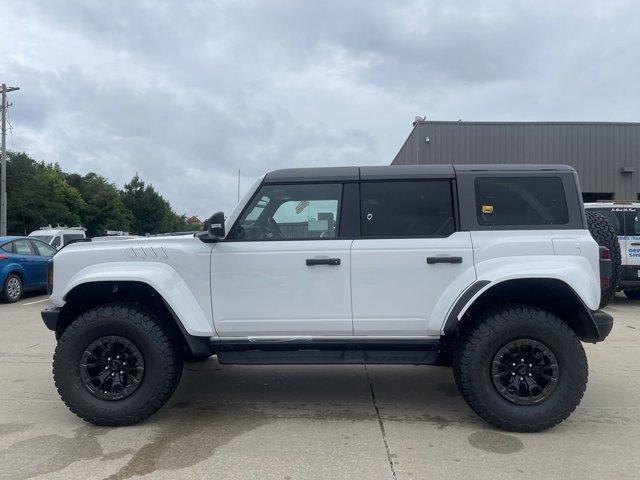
column 606, row 155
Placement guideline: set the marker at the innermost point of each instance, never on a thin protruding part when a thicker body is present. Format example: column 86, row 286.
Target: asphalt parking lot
column 378, row 422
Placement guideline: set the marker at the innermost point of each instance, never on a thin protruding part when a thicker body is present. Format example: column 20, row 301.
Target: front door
column 410, row 264
column 283, row 269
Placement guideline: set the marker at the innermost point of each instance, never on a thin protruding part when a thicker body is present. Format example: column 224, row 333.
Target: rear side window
column 407, row 209
column 8, row 247
column 22, row 247
column 520, row 201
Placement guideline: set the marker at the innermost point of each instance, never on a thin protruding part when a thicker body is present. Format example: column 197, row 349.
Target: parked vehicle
column 489, row 268
column 605, row 235
column 23, row 266
column 59, row 237
column 625, row 219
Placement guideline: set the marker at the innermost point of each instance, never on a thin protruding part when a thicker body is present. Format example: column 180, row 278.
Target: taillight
column 50, row 276
column 3, row 257
column 605, row 253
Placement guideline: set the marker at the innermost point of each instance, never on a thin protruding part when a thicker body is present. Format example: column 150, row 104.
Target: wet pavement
column 302, row 422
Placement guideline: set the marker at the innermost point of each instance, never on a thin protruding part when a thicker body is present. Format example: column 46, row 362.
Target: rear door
column 410, row 264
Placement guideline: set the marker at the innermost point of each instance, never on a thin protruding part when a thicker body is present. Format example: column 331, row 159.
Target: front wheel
column 117, row 364
column 520, row 368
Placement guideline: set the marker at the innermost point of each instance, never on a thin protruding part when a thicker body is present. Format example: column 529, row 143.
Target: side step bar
column 334, row 351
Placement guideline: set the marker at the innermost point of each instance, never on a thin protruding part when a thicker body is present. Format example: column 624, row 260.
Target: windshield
column 44, row 238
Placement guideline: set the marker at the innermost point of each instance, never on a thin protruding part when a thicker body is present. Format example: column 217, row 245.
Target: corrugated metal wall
column 598, row 151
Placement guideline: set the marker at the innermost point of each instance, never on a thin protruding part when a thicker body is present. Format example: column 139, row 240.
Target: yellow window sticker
column 487, row 208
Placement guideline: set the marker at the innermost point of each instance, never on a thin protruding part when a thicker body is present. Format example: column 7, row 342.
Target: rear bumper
column 50, row 317
column 603, row 323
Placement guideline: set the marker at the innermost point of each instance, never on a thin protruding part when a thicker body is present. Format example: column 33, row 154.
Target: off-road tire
column 485, row 336
column 632, row 294
column 4, row 296
column 156, row 340
column 605, row 235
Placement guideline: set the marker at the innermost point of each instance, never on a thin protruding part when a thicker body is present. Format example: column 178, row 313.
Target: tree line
column 40, row 194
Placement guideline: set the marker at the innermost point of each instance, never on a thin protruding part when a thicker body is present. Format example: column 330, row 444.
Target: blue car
column 23, row 266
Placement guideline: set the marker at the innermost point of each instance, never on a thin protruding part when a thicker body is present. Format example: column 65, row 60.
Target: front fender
column 161, row 277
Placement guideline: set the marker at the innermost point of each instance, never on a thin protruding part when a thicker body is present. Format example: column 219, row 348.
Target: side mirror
column 213, row 228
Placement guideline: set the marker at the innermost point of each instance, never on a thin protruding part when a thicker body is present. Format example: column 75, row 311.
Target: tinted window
column 632, row 222
column 287, row 212
column 407, row 209
column 44, row 249
column 8, row 247
column 56, row 242
column 68, row 237
column 22, row 247
column 520, row 201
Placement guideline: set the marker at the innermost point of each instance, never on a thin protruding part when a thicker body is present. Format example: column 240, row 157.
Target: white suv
column 488, row 268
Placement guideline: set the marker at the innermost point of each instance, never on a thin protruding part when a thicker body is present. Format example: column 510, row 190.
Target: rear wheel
column 605, row 235
column 12, row 289
column 520, row 368
column 117, row 364
column 632, row 294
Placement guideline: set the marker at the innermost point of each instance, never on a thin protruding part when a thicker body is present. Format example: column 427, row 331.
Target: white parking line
column 37, row 301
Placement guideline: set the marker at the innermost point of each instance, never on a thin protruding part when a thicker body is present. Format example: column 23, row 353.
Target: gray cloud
column 186, row 94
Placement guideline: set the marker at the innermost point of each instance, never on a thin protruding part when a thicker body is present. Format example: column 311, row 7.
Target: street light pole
column 3, row 162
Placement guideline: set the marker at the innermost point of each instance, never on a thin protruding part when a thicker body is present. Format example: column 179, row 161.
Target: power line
column 3, row 159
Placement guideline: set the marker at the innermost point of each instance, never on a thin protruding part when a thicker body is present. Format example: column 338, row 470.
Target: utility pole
column 3, row 152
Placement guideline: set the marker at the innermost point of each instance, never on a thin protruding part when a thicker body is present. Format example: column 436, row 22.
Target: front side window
column 521, row 201
column 291, row 212
column 44, row 250
column 22, row 247
column 56, row 242
column 407, row 209
column 69, row 237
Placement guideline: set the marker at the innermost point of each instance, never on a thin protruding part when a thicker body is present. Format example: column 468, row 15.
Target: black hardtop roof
column 393, row 172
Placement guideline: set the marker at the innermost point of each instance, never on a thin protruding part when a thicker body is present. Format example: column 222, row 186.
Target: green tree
column 39, row 194
column 104, row 208
column 151, row 212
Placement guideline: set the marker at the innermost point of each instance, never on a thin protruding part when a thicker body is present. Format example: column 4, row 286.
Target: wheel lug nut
column 513, row 374
column 529, row 374
column 513, row 364
column 124, row 363
column 121, row 372
column 109, row 359
column 521, row 378
column 112, row 374
column 118, row 356
column 530, row 365
column 106, row 368
column 522, row 359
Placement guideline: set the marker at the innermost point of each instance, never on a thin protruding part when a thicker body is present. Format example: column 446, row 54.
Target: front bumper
column 603, row 323
column 50, row 317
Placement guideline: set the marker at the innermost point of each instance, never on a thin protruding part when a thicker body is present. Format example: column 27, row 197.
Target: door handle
column 635, row 244
column 322, row 261
column 432, row 260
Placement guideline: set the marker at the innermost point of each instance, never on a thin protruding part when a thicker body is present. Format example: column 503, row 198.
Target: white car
column 58, row 237
column 488, row 268
column 625, row 218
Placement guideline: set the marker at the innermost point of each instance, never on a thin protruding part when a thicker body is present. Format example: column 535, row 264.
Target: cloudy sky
column 186, row 93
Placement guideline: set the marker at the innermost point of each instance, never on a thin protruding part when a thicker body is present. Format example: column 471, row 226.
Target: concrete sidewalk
column 325, row 422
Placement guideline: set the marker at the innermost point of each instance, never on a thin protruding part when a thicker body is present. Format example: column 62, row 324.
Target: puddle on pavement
column 495, row 442
column 49, row 453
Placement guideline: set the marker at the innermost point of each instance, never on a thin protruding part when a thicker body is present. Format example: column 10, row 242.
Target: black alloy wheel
column 525, row 371
column 112, row 368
